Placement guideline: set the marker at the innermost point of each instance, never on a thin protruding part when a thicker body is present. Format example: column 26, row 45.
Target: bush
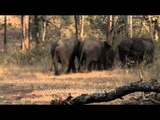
column 38, row 55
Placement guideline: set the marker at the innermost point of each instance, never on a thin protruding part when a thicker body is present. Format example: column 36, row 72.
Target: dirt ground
column 32, row 85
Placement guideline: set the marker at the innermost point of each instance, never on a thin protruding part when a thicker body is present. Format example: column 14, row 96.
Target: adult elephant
column 64, row 51
column 124, row 50
column 110, row 56
column 93, row 52
column 133, row 51
column 143, row 49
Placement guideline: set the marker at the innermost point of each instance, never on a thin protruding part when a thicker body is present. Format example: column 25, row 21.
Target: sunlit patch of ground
column 31, row 85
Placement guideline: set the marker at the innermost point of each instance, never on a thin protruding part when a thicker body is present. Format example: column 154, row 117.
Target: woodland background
column 25, row 58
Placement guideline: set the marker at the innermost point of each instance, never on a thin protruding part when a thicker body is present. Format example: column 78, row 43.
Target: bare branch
column 152, row 86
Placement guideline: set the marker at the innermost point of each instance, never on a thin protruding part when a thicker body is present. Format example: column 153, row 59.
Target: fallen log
column 151, row 86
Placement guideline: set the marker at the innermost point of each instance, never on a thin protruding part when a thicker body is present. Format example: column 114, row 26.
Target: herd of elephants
column 99, row 54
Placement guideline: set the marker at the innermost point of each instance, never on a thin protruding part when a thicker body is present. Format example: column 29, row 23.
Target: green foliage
column 98, row 26
column 67, row 20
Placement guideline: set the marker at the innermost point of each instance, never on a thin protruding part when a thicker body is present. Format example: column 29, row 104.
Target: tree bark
column 129, row 32
column 30, row 27
column 115, row 19
column 130, row 27
column 76, row 25
column 156, row 28
column 5, row 33
column 109, row 28
column 44, row 28
column 152, row 86
column 82, row 28
column 109, row 35
column 145, row 26
column 36, row 32
column 25, row 32
column 151, row 26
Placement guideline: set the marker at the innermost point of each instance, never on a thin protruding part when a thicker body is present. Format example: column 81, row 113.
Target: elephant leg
column 90, row 67
column 64, row 65
column 93, row 66
column 124, row 61
column 55, row 63
column 104, row 66
column 71, row 66
column 99, row 65
column 52, row 65
column 86, row 66
column 81, row 66
column 111, row 64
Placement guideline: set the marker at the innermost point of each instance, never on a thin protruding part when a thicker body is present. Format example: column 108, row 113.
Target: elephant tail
column 81, row 59
column 81, row 55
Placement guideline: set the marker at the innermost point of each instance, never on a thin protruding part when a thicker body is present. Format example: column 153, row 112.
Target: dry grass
column 32, row 85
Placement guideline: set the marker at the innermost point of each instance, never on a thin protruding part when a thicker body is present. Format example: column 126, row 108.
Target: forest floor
column 32, row 85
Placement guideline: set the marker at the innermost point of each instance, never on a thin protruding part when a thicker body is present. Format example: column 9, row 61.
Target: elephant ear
column 108, row 44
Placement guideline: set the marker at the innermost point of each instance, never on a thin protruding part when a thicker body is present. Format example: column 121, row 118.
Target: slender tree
column 76, row 25
column 151, row 27
column 30, row 27
column 115, row 19
column 5, row 33
column 25, row 33
column 109, row 28
column 82, row 28
column 129, row 30
column 44, row 28
column 36, row 31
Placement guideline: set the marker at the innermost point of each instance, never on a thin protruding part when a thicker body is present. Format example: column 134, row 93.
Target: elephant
column 143, row 49
column 124, row 51
column 133, row 51
column 64, row 52
column 110, row 58
column 93, row 54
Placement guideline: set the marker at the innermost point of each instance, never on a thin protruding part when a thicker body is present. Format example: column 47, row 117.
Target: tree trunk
column 151, row 26
column 129, row 32
column 158, row 25
column 5, row 33
column 118, row 93
column 109, row 26
column 44, row 28
column 22, row 31
column 109, row 29
column 30, row 28
column 82, row 28
column 36, row 32
column 25, row 28
column 114, row 27
column 130, row 27
column 76, row 25
column 156, row 28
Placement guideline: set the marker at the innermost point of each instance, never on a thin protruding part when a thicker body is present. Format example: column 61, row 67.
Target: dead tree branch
column 152, row 86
